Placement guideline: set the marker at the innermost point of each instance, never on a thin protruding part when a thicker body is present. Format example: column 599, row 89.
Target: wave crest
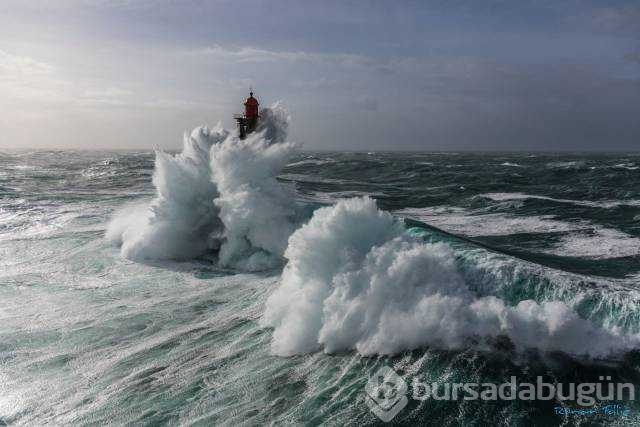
column 356, row 280
column 182, row 219
column 257, row 211
column 219, row 193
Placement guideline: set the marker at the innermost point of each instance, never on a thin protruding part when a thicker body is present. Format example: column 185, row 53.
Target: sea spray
column 355, row 280
column 257, row 211
column 220, row 194
column 182, row 221
column 274, row 123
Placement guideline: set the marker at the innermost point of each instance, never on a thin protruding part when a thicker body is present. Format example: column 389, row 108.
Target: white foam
column 461, row 221
column 46, row 220
column 258, row 212
column 182, row 220
column 581, row 239
column 576, row 164
column 311, row 161
column 501, row 197
column 598, row 243
column 356, row 280
column 220, row 192
column 628, row 166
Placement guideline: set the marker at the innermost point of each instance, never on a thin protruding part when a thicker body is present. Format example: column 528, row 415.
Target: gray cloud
column 138, row 74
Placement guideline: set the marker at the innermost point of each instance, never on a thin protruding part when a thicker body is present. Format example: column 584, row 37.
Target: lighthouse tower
column 248, row 121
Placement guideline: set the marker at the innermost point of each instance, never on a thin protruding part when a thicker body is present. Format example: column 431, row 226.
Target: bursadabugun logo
column 386, row 393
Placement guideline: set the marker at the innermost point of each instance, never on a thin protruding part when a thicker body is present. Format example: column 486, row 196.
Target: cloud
column 27, row 84
column 14, row 66
column 441, row 101
column 112, row 96
column 174, row 104
column 256, row 55
column 25, row 78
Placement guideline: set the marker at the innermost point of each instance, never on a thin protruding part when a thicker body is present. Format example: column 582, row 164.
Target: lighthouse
column 248, row 121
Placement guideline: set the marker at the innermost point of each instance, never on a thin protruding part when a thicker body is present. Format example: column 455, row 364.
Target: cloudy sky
column 356, row 75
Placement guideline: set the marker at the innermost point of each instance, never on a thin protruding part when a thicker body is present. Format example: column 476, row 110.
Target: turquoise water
column 88, row 336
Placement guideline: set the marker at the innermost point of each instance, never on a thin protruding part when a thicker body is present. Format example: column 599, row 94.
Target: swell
column 355, row 279
column 619, row 267
column 515, row 276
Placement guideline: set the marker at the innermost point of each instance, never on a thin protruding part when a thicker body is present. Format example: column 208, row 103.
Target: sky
column 354, row 75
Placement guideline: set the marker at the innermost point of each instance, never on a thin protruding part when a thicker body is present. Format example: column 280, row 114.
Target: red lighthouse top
column 251, row 107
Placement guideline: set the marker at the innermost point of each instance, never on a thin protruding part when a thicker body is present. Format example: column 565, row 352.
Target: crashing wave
column 356, row 280
column 219, row 194
column 181, row 222
column 257, row 211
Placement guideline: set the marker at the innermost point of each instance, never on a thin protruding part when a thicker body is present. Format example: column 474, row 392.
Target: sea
column 251, row 282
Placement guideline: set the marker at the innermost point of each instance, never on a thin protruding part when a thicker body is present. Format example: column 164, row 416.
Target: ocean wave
column 314, row 162
column 219, row 194
column 257, row 212
column 597, row 243
column 334, row 196
column 471, row 223
column 606, row 204
column 356, row 280
column 580, row 239
column 628, row 166
column 181, row 222
column 24, row 220
column 575, row 164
